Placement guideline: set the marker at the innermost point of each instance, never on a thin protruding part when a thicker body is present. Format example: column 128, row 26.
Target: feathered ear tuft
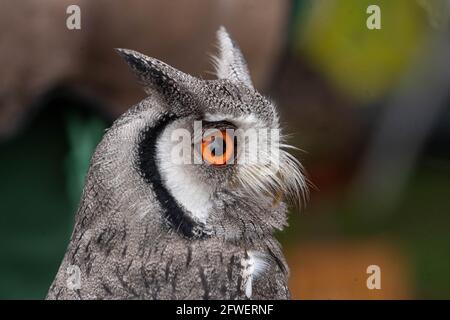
column 157, row 76
column 230, row 63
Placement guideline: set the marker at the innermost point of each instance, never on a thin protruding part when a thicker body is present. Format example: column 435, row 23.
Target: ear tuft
column 156, row 76
column 230, row 63
column 137, row 61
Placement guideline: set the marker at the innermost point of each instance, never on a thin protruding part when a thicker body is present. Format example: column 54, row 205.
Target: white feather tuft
column 253, row 266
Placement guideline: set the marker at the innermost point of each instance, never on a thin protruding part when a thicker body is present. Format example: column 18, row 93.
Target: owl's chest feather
column 171, row 268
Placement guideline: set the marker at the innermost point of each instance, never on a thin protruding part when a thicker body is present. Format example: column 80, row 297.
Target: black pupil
column 217, row 146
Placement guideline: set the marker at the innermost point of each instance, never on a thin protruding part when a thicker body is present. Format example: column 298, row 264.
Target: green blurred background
column 371, row 109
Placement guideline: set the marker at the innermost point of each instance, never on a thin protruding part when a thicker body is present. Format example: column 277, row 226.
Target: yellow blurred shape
column 362, row 63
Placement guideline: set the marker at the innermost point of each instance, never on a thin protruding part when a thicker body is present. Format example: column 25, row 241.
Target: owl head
column 207, row 155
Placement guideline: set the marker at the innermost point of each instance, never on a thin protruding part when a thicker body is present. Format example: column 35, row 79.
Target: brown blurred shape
column 37, row 51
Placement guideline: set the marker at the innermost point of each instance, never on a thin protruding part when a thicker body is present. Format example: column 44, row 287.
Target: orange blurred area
column 337, row 270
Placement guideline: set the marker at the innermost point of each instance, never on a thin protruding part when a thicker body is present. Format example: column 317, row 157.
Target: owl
column 167, row 218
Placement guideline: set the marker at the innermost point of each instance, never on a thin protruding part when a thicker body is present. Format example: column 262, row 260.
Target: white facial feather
column 185, row 187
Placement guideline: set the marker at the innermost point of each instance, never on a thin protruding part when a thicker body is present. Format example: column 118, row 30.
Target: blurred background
column 371, row 109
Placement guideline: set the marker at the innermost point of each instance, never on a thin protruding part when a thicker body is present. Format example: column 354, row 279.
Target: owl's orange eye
column 217, row 149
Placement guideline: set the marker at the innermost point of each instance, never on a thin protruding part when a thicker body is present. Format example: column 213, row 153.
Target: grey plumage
column 148, row 229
